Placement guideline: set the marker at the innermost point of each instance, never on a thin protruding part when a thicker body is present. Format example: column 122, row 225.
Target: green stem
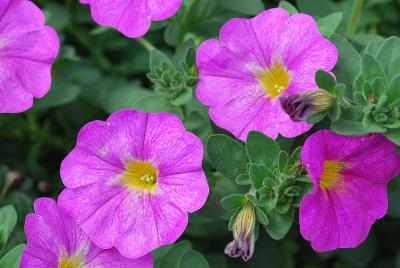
column 355, row 15
column 184, row 112
column 146, row 44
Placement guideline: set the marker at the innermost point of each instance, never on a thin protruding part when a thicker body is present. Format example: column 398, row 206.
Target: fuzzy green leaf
column 389, row 56
column 325, row 81
column 349, row 63
column 262, row 149
column 227, row 155
column 13, row 257
column 371, row 68
column 350, row 122
column 393, row 90
column 279, row 224
column 193, row 259
column 248, row 7
column 8, row 219
column 289, row 7
column 233, row 201
column 393, row 135
column 328, row 25
column 261, row 216
column 258, row 173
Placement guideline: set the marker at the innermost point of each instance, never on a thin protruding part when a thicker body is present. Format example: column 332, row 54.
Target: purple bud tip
column 300, row 106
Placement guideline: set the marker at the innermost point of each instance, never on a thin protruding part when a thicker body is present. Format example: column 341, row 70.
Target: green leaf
column 8, row 219
column 350, row 122
column 13, row 257
column 193, row 259
column 227, row 155
column 258, row 173
column 232, row 219
column 318, row 8
column 371, row 68
column 172, row 33
column 243, row 179
column 295, row 157
column 283, row 160
column 393, row 90
column 349, row 63
column 126, row 97
column 170, row 256
column 184, row 97
column 183, row 56
column 153, row 103
column 328, row 25
column 269, row 194
column 61, row 92
column 393, row 135
column 56, row 15
column 21, row 202
column 158, row 59
column 261, row 216
column 279, row 224
column 389, row 56
column 335, row 112
column 371, row 125
column 359, row 98
column 289, row 7
column 325, row 81
column 262, row 149
column 233, row 201
column 248, row 7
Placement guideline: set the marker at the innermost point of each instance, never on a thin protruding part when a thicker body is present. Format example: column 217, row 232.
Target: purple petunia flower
column 27, row 52
column 55, row 241
column 132, row 180
column 350, row 177
column 131, row 17
column 257, row 61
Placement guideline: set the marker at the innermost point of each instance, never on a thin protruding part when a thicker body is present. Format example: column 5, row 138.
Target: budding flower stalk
column 300, row 106
column 243, row 234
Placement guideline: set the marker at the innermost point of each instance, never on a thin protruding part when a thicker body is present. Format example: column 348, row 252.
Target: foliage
column 99, row 71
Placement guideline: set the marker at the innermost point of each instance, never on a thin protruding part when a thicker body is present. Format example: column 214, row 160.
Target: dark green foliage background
column 99, row 71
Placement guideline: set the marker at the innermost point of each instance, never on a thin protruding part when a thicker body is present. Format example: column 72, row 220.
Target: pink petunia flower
column 55, row 241
column 131, row 17
column 132, row 180
column 27, row 52
column 257, row 61
column 350, row 177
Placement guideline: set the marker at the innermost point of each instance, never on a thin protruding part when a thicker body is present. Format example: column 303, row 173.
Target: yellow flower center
column 140, row 175
column 331, row 176
column 71, row 262
column 275, row 80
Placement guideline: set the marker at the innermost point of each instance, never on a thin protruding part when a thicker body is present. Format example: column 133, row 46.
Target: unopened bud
column 14, row 179
column 243, row 234
column 300, row 106
column 44, row 187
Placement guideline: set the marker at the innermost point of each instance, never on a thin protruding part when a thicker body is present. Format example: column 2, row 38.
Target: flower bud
column 14, row 179
column 300, row 106
column 44, row 187
column 243, row 234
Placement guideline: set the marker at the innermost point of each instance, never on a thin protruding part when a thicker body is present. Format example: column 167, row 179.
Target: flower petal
column 178, row 189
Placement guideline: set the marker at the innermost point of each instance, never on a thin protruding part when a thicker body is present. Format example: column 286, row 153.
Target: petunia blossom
column 132, row 180
column 27, row 51
column 131, row 17
column 55, row 241
column 350, row 177
column 255, row 62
